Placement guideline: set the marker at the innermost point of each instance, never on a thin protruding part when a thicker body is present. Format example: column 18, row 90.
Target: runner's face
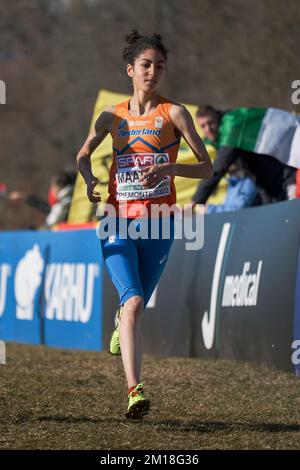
column 148, row 70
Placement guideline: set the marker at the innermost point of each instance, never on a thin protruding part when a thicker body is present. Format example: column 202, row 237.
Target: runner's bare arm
column 184, row 123
column 103, row 126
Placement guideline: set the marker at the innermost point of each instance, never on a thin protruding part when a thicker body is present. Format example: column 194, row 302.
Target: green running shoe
column 138, row 405
column 114, row 345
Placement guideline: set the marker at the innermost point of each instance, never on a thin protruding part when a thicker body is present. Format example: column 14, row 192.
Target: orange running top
column 140, row 141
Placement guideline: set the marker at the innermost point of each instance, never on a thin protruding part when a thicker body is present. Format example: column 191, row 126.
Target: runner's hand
column 94, row 196
column 153, row 175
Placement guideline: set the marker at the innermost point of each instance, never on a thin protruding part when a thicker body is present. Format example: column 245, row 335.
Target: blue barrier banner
column 234, row 298
column 51, row 288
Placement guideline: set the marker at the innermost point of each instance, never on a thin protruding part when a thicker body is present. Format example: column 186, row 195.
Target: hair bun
column 157, row 37
column 132, row 37
column 136, row 44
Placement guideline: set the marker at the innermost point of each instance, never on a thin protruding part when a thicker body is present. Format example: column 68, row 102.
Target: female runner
column 146, row 132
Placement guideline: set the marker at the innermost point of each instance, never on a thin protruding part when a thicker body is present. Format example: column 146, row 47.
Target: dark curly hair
column 138, row 44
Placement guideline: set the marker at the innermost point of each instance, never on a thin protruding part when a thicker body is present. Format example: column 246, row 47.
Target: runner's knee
column 135, row 305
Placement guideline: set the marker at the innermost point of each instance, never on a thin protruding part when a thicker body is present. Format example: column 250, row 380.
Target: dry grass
column 54, row 399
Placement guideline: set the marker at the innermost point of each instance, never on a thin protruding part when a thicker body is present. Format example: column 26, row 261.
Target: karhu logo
column 27, row 280
column 69, row 291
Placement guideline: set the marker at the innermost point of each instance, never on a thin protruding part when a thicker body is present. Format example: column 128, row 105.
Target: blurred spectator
column 274, row 181
column 209, row 120
column 59, row 198
column 241, row 190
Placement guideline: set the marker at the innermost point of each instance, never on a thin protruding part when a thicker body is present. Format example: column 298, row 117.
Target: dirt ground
column 58, row 399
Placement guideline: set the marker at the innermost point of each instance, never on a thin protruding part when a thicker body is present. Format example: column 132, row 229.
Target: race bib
column 129, row 170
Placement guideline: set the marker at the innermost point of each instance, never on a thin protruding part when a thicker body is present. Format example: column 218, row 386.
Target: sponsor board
column 237, row 298
column 51, row 289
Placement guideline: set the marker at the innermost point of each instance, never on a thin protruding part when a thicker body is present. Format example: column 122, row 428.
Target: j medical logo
column 2, row 92
column 235, row 290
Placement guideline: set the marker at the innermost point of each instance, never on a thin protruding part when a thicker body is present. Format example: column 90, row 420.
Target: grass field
column 56, row 399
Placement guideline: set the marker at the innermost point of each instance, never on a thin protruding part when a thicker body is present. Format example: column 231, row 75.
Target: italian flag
column 264, row 131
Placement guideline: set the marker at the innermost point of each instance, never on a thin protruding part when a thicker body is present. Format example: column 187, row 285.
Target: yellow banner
column 82, row 210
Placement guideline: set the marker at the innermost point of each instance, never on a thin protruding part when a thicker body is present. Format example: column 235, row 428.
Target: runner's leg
column 153, row 258
column 121, row 259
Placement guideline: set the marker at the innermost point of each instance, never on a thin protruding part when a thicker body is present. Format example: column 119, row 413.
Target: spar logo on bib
column 140, row 160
